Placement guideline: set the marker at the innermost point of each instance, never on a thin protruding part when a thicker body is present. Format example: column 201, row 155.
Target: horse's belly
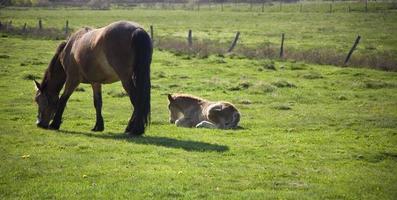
column 101, row 71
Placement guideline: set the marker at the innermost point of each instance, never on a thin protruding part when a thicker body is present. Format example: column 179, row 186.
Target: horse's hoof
column 97, row 129
column 54, row 126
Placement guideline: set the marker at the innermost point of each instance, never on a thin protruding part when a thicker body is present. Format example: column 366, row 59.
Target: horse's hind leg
column 70, row 85
column 129, row 87
column 97, row 93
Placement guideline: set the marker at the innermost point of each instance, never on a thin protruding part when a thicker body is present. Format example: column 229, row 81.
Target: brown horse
column 119, row 51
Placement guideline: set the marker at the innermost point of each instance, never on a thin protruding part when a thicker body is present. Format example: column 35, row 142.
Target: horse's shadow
column 187, row 145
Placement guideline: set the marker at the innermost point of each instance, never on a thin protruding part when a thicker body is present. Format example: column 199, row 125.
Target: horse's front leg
column 97, row 93
column 67, row 92
column 184, row 122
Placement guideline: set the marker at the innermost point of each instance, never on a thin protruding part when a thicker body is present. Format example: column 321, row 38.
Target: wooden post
column 222, row 6
column 198, row 5
column 250, row 5
column 67, row 27
column 189, row 38
column 24, row 27
column 9, row 25
column 282, row 46
column 263, row 5
column 330, row 8
column 281, row 3
column 352, row 49
column 1, row 25
column 40, row 24
column 348, row 9
column 300, row 8
column 366, row 5
column 151, row 33
column 234, row 42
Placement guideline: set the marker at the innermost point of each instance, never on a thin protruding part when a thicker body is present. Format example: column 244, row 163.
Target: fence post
column 300, row 8
column 198, row 5
column 67, row 27
column 263, row 6
column 40, row 24
column 348, row 9
column 352, row 49
column 151, row 33
column 330, row 8
column 189, row 38
column 282, row 46
column 250, row 5
column 366, row 5
column 9, row 25
column 1, row 25
column 24, row 27
column 281, row 3
column 234, row 42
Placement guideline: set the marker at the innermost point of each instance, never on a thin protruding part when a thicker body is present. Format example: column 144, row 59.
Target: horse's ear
column 170, row 99
column 37, row 84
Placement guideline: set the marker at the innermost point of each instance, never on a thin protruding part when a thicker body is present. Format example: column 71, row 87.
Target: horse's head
column 47, row 104
column 174, row 111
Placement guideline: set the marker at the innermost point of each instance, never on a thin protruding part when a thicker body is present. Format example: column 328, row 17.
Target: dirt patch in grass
column 312, row 75
column 4, row 56
column 283, row 84
column 117, row 94
column 79, row 89
column 377, row 84
column 31, row 77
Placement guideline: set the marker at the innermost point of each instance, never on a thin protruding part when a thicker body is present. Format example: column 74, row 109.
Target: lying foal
column 190, row 111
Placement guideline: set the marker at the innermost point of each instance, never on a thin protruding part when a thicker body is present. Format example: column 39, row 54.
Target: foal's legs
column 206, row 124
column 96, row 88
column 184, row 122
column 69, row 88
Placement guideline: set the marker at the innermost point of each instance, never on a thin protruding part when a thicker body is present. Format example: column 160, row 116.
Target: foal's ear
column 37, row 84
column 170, row 99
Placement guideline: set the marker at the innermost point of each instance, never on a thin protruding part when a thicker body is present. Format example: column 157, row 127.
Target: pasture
column 308, row 131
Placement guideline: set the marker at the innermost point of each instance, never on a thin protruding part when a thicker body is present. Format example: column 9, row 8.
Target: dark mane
column 54, row 71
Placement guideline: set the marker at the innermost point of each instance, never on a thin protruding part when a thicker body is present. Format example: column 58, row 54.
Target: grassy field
column 308, row 131
column 307, row 30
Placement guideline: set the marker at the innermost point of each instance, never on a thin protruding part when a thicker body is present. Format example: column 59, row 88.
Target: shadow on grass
column 187, row 145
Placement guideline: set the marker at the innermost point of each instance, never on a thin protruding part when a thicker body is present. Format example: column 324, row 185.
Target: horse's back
column 104, row 55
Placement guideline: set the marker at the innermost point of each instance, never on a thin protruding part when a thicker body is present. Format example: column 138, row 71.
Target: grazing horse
column 190, row 111
column 120, row 51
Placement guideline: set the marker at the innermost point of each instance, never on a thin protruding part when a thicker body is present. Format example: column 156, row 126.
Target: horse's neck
column 55, row 78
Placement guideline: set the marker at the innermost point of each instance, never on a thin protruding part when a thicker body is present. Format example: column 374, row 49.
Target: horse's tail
column 142, row 48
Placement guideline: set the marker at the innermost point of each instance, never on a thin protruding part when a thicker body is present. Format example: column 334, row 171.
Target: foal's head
column 47, row 104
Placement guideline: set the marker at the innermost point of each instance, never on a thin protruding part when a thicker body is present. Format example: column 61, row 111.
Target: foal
column 190, row 111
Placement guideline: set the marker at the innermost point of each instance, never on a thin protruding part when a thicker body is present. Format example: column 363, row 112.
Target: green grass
column 308, row 131
column 307, row 30
column 331, row 137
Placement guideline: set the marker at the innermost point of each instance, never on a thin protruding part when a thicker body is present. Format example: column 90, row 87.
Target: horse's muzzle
column 40, row 124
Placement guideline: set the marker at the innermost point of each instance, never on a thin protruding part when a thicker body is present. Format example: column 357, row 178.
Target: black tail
column 142, row 45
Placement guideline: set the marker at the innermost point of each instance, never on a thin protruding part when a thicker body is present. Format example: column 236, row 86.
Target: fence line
column 387, row 62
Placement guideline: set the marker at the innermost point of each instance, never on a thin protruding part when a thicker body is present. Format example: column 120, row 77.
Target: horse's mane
column 53, row 66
